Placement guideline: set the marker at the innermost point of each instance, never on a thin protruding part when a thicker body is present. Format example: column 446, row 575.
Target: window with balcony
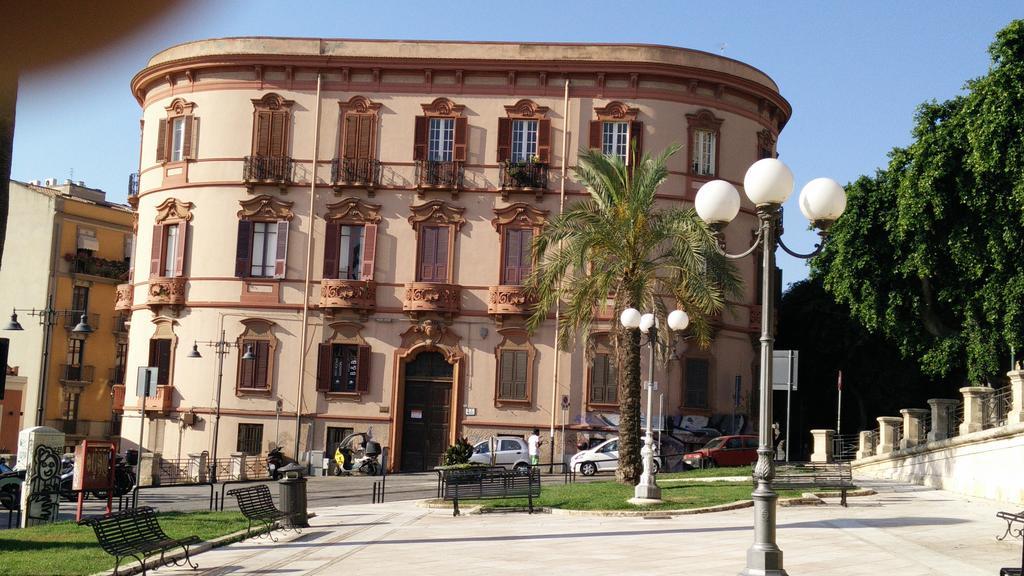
column 71, row 408
column 250, row 439
column 696, row 383
column 704, row 130
column 515, row 355
column 441, row 139
column 357, row 156
column 434, row 242
column 524, row 146
column 343, row 362
column 524, row 141
column 169, row 240
column 257, row 374
column 80, row 300
column 177, row 134
column 617, row 132
column 75, row 359
column 350, row 243
column 517, row 258
column 271, row 127
column 120, row 363
column 439, row 144
column 261, row 249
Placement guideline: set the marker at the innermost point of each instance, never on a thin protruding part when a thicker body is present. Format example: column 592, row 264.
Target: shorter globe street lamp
column 647, row 491
column 768, row 183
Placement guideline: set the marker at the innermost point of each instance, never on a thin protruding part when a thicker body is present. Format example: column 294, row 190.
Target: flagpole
column 839, row 410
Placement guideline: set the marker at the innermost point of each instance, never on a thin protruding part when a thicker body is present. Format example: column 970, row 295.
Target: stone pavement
column 905, row 530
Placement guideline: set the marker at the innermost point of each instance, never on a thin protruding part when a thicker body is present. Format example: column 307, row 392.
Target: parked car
column 509, row 452
column 604, row 457
column 10, row 486
column 736, row 450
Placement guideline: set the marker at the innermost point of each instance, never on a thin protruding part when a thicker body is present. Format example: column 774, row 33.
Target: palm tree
column 618, row 249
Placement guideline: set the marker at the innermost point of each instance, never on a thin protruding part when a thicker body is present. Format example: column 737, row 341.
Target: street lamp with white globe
column 647, row 490
column 768, row 183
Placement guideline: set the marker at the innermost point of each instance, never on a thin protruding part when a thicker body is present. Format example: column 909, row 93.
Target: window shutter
column 192, row 144
column 513, row 249
column 544, row 141
column 441, row 257
column 323, row 368
column 595, row 134
column 162, row 361
column 461, row 127
column 186, row 146
column 246, row 370
column 636, row 142
column 262, row 139
column 179, row 254
column 363, row 369
column 161, row 141
column 158, row 250
column 597, row 380
column 278, row 133
column 282, row 249
column 525, row 253
column 504, row 139
column 522, row 363
column 243, row 249
column 331, row 250
column 369, row 251
column 428, row 252
column 364, row 137
column 349, row 134
column 507, row 376
column 419, row 148
column 262, row 364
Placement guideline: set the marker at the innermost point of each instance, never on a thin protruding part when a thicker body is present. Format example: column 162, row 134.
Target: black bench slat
column 489, row 483
column 257, row 505
column 831, row 476
column 136, row 533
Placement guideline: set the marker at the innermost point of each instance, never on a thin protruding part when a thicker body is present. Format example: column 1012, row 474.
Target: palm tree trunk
column 630, row 466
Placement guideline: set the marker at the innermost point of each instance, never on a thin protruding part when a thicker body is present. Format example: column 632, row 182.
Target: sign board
column 416, row 414
column 94, row 466
column 145, row 384
column 785, row 364
column 565, row 402
column 470, row 411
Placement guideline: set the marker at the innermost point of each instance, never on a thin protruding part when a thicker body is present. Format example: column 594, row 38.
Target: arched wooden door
column 426, row 411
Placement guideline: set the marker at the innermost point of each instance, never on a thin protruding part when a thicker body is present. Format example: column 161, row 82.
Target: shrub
column 458, row 453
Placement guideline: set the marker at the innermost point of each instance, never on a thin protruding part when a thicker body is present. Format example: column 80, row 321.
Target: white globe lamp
column 822, row 201
column 647, row 321
column 630, row 318
column 678, row 320
column 717, row 202
column 768, row 182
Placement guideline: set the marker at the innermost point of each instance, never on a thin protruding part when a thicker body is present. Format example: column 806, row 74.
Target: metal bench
column 135, row 533
column 257, row 506
column 832, row 476
column 488, row 483
column 1011, row 530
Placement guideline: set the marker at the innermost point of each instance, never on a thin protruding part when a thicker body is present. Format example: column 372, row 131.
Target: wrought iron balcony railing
column 269, row 169
column 116, row 375
column 439, row 174
column 523, row 176
column 81, row 373
column 355, row 172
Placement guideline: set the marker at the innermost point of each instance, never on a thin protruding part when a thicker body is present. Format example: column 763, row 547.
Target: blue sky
column 853, row 71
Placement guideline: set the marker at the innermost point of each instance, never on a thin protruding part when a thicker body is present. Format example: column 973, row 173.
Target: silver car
column 507, row 451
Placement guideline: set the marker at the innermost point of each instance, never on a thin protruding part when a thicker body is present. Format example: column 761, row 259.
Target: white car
column 603, row 457
column 509, row 451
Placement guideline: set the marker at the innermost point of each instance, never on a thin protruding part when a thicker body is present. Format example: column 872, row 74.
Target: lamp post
column 48, row 319
column 768, row 183
column 220, row 348
column 647, row 491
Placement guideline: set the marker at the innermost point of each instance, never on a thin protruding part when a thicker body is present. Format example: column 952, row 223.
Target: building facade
column 412, row 186
column 68, row 250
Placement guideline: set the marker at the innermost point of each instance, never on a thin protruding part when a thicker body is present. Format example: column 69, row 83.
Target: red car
column 724, row 451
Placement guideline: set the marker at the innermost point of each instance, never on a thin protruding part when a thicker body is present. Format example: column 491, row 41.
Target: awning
column 87, row 240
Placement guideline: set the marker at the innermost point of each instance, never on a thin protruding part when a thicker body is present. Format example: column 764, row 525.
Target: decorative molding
column 431, row 335
column 359, row 105
column 179, row 107
column 437, row 212
column 443, row 107
column 339, row 294
column 526, row 109
column 272, row 101
column 166, row 292
column 173, row 210
column 265, row 207
column 444, row 299
column 616, row 110
column 354, row 210
column 765, row 144
column 514, row 338
column 704, row 119
column 519, row 214
column 124, row 297
column 346, row 332
column 509, row 301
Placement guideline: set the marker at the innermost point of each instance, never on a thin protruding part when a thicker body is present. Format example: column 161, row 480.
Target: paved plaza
column 905, row 530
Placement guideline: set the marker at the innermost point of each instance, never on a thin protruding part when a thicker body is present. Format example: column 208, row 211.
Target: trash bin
column 293, row 495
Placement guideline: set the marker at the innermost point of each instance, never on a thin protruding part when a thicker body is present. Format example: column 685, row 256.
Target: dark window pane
column 696, row 383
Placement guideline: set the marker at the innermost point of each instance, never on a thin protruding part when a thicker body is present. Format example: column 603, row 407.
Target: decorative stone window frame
column 599, row 343
column 438, row 213
column 514, row 339
column 515, row 216
column 352, row 211
column 703, row 120
column 707, row 357
column 765, row 144
column 346, row 333
column 170, row 212
column 258, row 329
column 273, row 107
column 616, row 111
column 163, row 329
column 358, row 108
column 525, row 110
column 263, row 208
column 441, row 108
column 176, row 171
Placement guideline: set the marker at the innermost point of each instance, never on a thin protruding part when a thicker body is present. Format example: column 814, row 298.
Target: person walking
column 534, row 443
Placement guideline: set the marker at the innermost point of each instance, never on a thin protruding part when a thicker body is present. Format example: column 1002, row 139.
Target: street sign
column 145, row 384
column 565, row 402
column 785, row 364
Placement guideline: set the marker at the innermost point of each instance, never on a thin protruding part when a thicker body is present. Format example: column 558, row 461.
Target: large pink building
column 431, row 165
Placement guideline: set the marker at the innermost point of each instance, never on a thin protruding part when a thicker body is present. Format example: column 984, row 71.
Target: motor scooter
column 360, row 456
column 275, row 460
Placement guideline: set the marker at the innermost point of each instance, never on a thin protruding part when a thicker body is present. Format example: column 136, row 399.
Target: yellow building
column 67, row 250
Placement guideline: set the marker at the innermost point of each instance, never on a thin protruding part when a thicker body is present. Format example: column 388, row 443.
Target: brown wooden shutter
column 597, row 381
column 507, row 375
column 186, row 145
column 596, row 127
column 369, row 251
column 331, row 241
column 348, row 137
column 525, row 254
column 419, row 147
column 280, row 266
column 364, row 137
column 636, row 141
column 513, row 249
column 522, row 365
column 160, row 357
column 504, row 139
column 363, row 369
column 161, row 141
column 246, row 370
column 428, row 253
column 544, row 141
column 158, row 251
column 323, row 368
column 263, row 364
column 243, row 249
column 179, row 254
column 461, row 128
column 261, row 142
column 278, row 134
column 441, row 258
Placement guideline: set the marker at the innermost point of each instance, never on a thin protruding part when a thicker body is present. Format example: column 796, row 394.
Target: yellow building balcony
column 338, row 294
column 430, row 297
column 509, row 301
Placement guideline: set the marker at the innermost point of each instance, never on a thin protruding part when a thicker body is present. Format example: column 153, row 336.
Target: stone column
column 887, row 441
column 943, row 411
column 39, row 453
column 149, row 468
column 238, row 466
column 975, row 408
column 198, row 467
column 913, row 427
column 867, row 444
column 1016, row 415
column 822, row 445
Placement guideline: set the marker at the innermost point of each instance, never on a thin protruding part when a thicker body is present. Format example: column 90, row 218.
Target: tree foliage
column 929, row 250
column 619, row 246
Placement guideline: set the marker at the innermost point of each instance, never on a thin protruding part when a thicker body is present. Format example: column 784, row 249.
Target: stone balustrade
column 443, row 299
column 913, row 427
column 509, row 301
column 887, row 440
column 866, row 446
column 943, row 418
column 976, row 408
column 822, row 445
column 339, row 294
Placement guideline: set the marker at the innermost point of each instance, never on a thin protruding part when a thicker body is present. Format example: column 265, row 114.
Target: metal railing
column 69, row 373
column 133, row 185
column 255, row 468
column 956, row 420
column 440, row 173
column 277, row 169
column 528, row 175
column 120, row 323
column 999, row 406
column 172, row 472
column 844, row 446
column 355, row 171
column 116, row 375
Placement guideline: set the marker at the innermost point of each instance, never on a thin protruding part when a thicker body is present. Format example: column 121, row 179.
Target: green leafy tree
column 617, row 249
column 928, row 251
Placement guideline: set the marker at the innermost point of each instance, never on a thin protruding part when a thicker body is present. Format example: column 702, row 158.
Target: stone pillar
column 238, row 466
column 943, row 411
column 976, row 408
column 39, row 454
column 1016, row 415
column 149, row 468
column 822, row 445
column 866, row 446
column 198, row 467
column 913, row 427
column 887, row 441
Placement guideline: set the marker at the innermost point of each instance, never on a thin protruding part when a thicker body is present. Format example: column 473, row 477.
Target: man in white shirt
column 534, row 443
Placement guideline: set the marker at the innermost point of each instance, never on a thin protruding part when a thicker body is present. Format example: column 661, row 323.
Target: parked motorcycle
column 275, row 460
column 361, row 457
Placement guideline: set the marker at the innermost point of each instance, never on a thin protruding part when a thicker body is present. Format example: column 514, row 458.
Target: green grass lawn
column 614, row 496
column 65, row 548
column 745, row 471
